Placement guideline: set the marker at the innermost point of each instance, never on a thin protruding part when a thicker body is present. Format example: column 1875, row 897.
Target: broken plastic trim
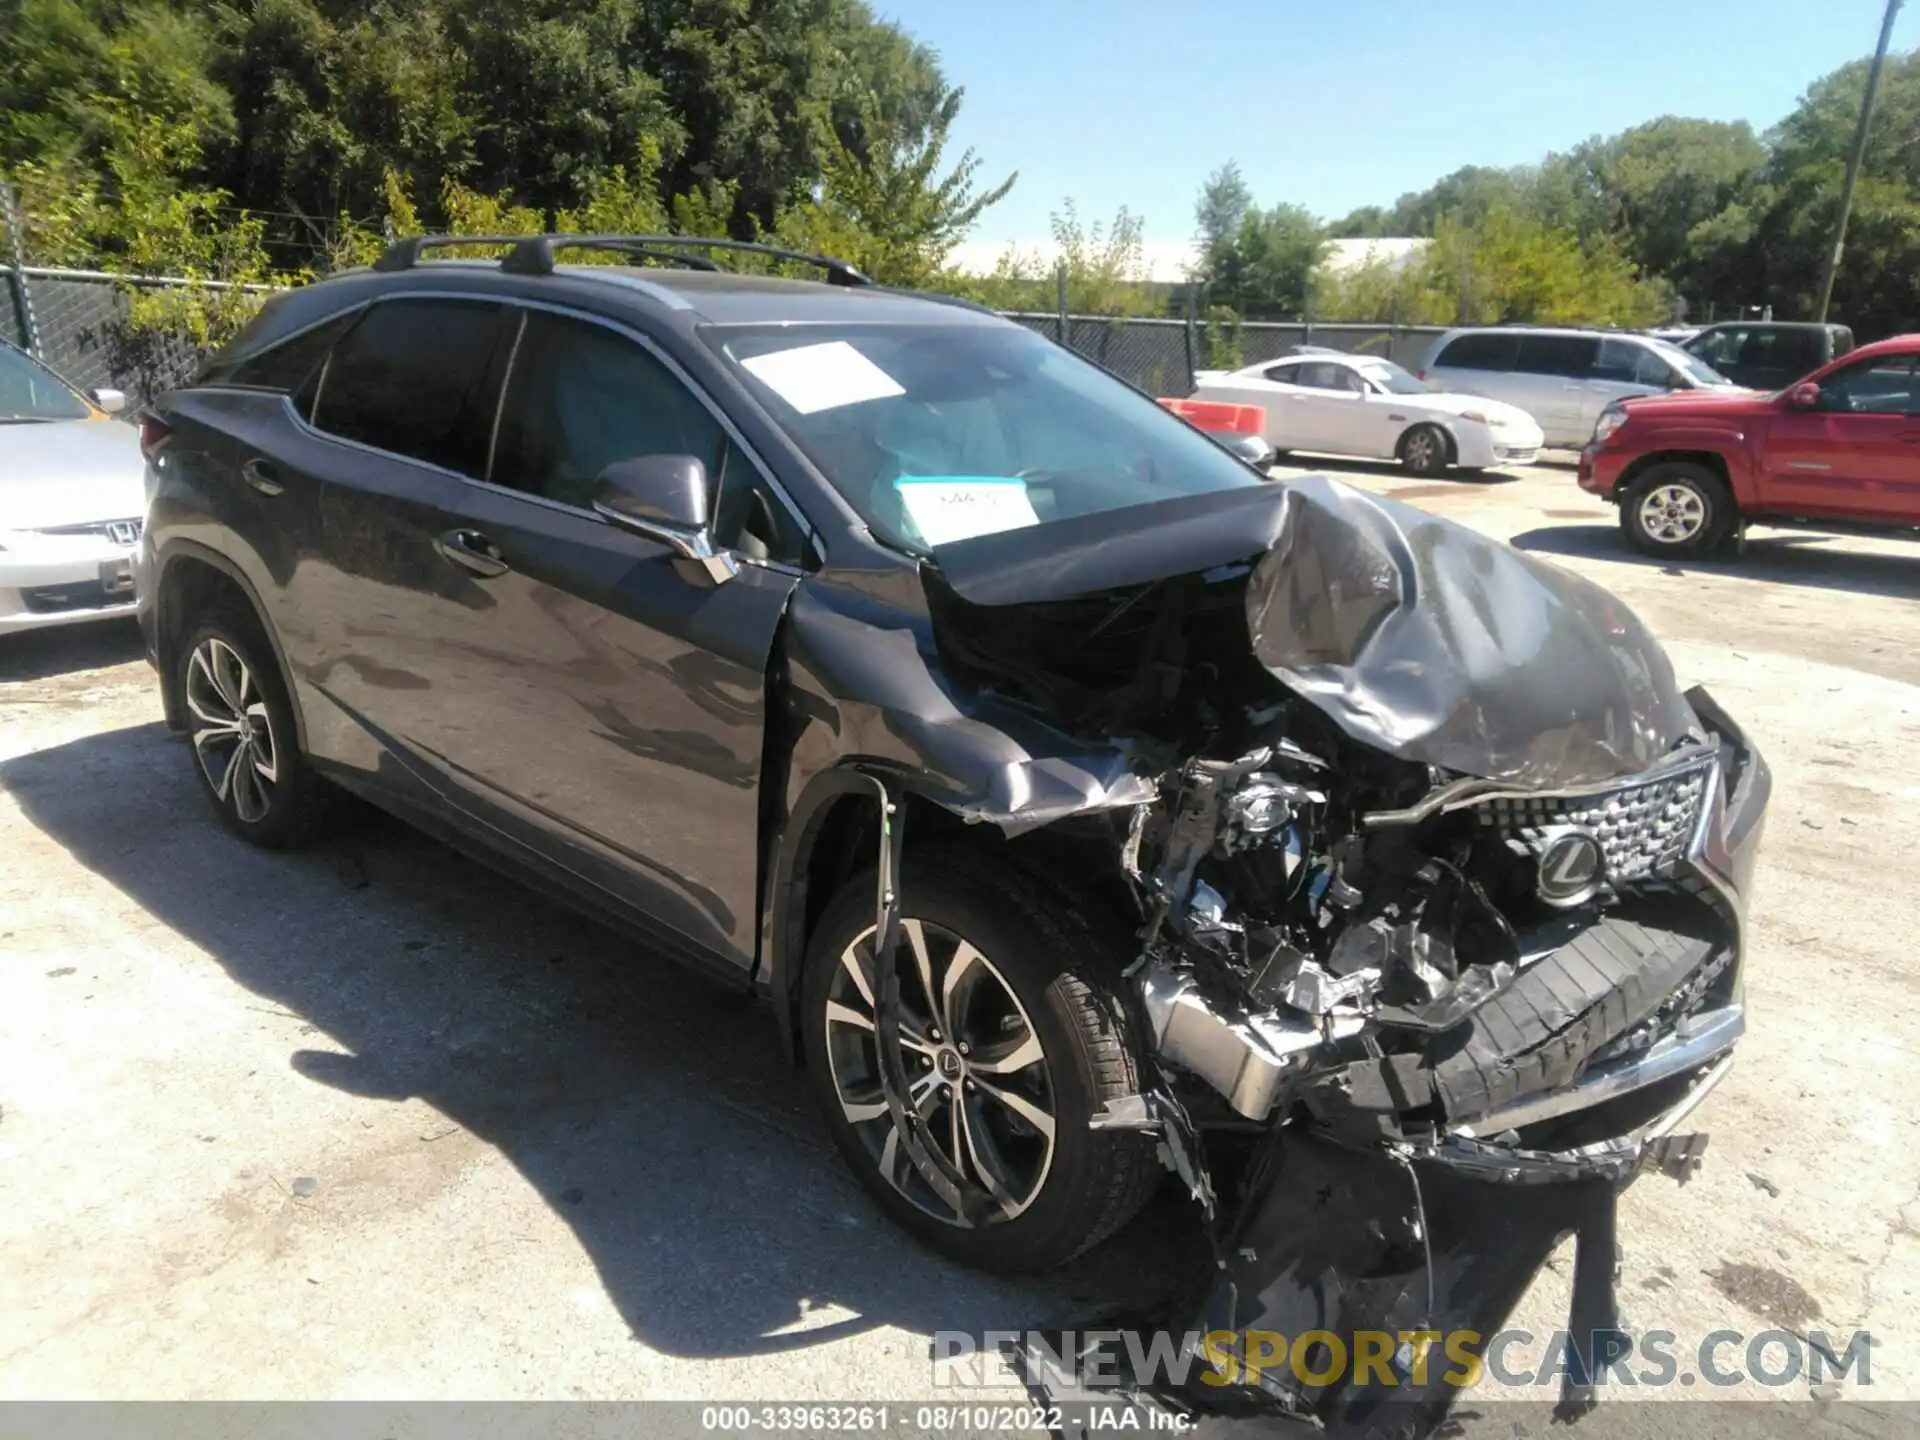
column 934, row 1168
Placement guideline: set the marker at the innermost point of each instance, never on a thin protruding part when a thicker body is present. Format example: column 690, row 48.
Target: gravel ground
column 368, row 1122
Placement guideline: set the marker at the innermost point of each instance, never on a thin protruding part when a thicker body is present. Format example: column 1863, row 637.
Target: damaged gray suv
column 1087, row 805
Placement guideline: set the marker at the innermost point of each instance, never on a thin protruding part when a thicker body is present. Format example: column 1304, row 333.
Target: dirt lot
column 367, row 1122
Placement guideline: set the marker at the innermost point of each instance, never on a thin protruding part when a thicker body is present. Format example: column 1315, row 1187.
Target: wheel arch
column 834, row 832
column 1446, row 435
column 1713, row 461
column 192, row 578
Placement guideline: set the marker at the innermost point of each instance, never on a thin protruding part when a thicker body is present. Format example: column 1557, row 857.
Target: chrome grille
column 1643, row 826
column 120, row 532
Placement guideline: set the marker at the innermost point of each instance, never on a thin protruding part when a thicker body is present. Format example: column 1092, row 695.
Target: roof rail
column 533, row 254
column 405, row 254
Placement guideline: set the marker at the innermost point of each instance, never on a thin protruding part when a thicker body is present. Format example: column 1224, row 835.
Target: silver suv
column 1563, row 378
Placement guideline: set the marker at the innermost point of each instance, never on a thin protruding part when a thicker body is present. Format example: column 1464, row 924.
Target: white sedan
column 1338, row 404
column 72, row 494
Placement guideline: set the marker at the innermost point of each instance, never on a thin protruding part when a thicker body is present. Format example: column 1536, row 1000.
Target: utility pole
column 1853, row 159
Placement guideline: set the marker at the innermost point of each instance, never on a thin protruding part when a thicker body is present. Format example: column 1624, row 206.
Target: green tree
column 1218, row 213
column 1266, row 271
column 1648, row 187
column 330, row 97
column 891, row 210
column 1104, row 263
column 68, row 67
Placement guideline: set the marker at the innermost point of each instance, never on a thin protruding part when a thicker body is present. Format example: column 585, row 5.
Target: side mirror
column 111, row 401
column 664, row 498
column 1804, row 397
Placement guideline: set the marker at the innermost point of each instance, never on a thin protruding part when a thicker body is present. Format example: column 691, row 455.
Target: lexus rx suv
column 1086, row 805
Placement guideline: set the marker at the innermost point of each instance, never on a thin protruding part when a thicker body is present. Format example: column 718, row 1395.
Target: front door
column 611, row 703
column 1855, row 456
column 547, row 682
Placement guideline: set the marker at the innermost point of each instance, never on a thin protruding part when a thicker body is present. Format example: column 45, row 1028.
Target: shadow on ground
column 648, row 1105
column 1808, row 560
column 39, row 654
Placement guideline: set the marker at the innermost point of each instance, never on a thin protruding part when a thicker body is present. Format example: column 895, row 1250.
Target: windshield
column 1392, row 379
column 939, row 433
column 1689, row 364
column 29, row 391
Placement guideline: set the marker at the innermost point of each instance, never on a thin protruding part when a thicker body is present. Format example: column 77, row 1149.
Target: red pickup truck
column 1841, row 448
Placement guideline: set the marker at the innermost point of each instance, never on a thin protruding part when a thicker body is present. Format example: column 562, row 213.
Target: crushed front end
column 1441, row 932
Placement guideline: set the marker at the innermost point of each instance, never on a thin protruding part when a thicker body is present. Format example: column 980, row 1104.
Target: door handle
column 262, row 475
column 471, row 551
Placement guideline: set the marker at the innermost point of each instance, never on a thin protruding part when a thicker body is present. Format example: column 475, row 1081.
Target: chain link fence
column 76, row 322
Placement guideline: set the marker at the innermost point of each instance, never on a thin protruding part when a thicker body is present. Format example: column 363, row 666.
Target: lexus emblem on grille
column 1572, row 865
column 123, row 532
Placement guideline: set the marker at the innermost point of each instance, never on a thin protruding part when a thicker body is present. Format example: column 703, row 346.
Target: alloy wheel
column 976, row 1071
column 232, row 730
column 1673, row 514
column 1422, row 451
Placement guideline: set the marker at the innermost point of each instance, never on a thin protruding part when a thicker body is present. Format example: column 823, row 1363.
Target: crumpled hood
column 1416, row 635
column 70, row 472
column 1429, row 640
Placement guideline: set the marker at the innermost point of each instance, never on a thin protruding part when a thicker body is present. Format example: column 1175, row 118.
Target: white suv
column 1563, row 378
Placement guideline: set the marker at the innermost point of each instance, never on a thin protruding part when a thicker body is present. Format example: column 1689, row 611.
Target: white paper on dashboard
column 958, row 507
column 822, row 377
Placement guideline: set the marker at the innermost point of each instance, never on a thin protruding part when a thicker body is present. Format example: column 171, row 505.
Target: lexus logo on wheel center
column 1572, row 865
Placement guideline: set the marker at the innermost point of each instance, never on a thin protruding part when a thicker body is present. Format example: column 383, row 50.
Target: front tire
column 1013, row 1037
column 245, row 744
column 1677, row 509
column 1424, row 450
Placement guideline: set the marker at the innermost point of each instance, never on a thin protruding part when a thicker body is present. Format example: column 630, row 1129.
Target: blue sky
column 1338, row 103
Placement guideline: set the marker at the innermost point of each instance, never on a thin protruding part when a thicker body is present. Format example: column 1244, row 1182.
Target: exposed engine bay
column 1441, row 882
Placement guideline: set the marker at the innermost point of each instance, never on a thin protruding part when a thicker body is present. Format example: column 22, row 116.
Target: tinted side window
column 1719, row 347
column 582, row 397
column 1478, row 352
column 414, row 377
column 1322, row 376
column 1288, row 374
column 1630, row 364
column 1874, row 387
column 1795, row 351
column 285, row 366
column 1569, row 355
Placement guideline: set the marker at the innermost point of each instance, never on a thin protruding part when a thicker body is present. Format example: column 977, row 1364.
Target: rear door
column 404, row 409
column 1774, row 357
column 1857, row 456
column 1481, row 362
column 1558, row 369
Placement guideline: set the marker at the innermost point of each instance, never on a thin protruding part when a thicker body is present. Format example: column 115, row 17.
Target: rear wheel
column 1677, row 509
column 1423, row 450
column 245, row 749
column 1012, row 1038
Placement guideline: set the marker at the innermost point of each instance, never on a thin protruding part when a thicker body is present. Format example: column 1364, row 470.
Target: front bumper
column 1601, row 468
column 1375, row 1218
column 48, row 580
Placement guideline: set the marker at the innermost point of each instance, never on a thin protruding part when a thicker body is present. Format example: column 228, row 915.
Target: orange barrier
column 1219, row 416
